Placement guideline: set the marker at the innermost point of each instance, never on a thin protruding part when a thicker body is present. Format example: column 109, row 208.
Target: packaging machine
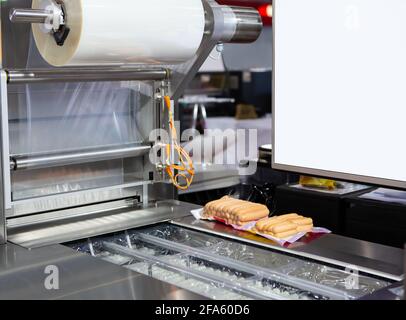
column 78, row 190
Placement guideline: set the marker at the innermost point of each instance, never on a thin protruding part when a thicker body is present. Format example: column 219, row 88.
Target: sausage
column 285, row 234
column 254, row 214
column 305, row 228
column 209, row 206
column 272, row 223
column 261, row 224
column 216, row 207
column 289, row 216
column 302, row 221
column 221, row 206
column 283, row 227
column 233, row 209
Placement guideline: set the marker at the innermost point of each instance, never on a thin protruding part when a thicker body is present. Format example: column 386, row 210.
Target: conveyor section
column 221, row 269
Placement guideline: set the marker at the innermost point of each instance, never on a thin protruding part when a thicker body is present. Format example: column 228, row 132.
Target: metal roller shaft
column 30, row 16
column 85, row 75
column 248, row 25
column 37, row 161
column 236, row 24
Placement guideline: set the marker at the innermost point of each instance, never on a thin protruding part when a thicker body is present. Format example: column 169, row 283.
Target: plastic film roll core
column 105, row 32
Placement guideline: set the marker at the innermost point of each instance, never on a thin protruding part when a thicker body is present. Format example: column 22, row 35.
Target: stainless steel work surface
column 393, row 292
column 365, row 256
column 384, row 260
column 97, row 222
column 22, row 276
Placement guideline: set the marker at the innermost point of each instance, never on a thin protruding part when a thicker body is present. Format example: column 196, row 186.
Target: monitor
column 339, row 102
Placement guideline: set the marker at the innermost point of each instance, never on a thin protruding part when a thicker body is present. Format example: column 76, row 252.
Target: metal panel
column 15, row 39
column 5, row 183
column 57, row 231
column 2, row 204
column 82, row 212
column 75, row 199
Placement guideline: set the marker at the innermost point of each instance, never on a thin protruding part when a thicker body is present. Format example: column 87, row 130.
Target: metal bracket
column 223, row 25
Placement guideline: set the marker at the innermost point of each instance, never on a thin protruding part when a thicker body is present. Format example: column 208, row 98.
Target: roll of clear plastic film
column 97, row 32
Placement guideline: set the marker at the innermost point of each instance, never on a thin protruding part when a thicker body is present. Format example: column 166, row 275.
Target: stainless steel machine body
column 79, row 137
column 67, row 182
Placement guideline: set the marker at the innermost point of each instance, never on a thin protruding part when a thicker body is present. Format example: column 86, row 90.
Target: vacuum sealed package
column 318, row 183
column 252, row 217
column 286, row 229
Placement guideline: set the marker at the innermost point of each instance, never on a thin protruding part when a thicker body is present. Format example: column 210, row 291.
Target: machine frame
column 223, row 24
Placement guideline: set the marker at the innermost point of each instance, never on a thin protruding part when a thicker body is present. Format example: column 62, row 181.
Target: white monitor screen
column 340, row 89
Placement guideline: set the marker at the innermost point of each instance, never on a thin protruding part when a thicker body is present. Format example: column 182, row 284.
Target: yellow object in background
column 317, row 183
column 245, row 112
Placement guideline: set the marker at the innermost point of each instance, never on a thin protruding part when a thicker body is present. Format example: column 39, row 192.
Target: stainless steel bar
column 246, row 267
column 36, row 161
column 195, row 274
column 30, row 16
column 3, row 223
column 85, row 75
column 5, row 180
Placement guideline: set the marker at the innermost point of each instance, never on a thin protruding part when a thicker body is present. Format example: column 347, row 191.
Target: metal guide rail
column 46, row 160
column 222, row 269
column 85, row 75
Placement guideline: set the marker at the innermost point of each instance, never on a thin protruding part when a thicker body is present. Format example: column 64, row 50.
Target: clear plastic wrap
column 340, row 187
column 219, row 246
column 180, row 235
column 73, row 116
column 52, row 118
column 163, row 271
column 223, row 269
column 334, row 278
column 284, row 264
